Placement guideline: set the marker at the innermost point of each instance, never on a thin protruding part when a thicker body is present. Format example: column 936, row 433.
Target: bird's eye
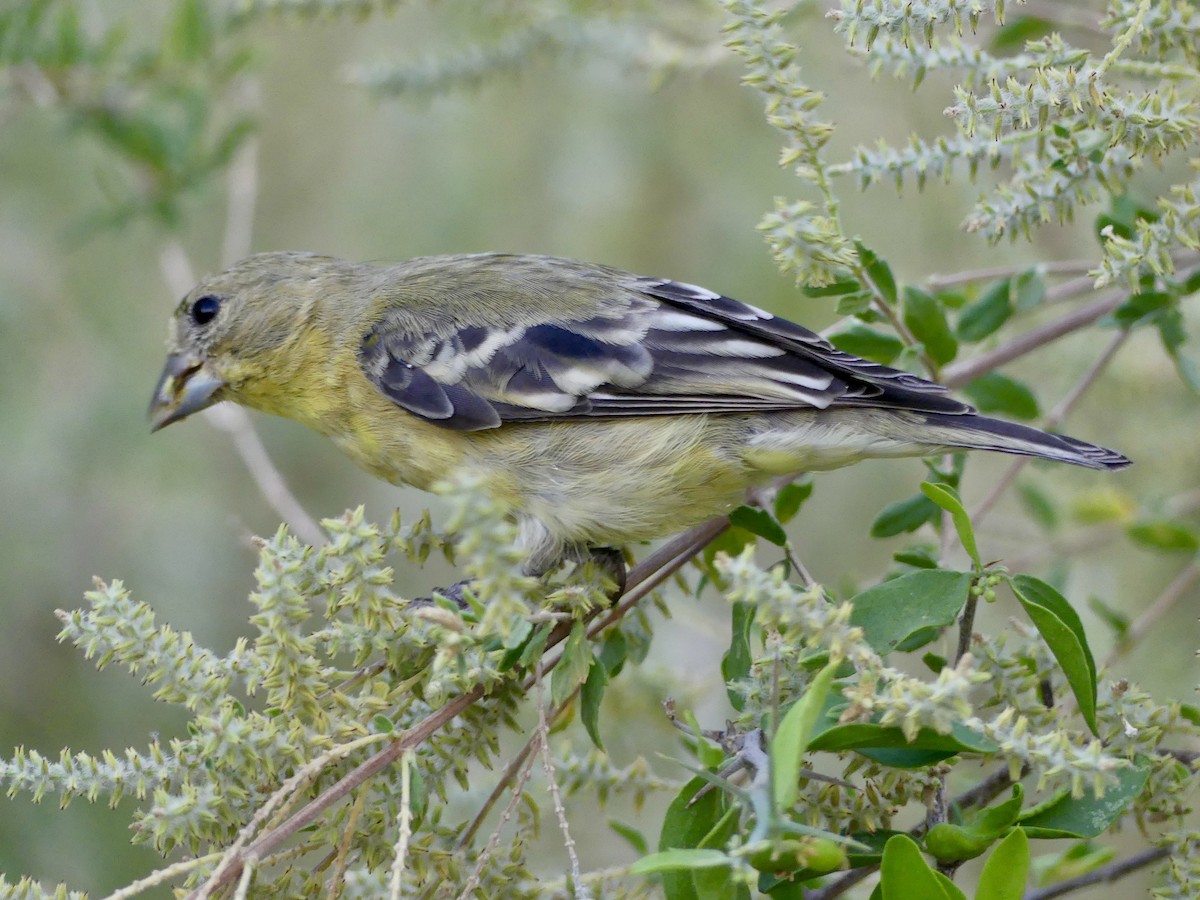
column 204, row 310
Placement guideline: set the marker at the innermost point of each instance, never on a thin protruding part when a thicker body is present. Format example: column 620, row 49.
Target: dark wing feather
column 653, row 347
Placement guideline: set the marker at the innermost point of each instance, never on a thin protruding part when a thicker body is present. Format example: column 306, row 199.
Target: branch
column 655, row 569
column 958, row 374
column 1172, row 594
column 233, row 420
column 1052, row 420
column 1108, row 873
column 1093, row 536
column 1056, row 267
column 560, row 811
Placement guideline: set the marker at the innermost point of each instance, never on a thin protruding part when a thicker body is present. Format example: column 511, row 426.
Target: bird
column 598, row 406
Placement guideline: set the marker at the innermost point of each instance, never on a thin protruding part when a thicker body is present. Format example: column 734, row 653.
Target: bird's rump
column 650, row 347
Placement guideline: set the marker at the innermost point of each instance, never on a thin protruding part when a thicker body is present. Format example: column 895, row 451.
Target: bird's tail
column 972, row 432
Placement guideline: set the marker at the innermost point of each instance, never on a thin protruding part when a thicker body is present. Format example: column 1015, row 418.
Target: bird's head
column 244, row 334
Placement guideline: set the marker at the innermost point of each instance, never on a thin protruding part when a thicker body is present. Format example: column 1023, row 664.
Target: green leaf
column 792, row 737
column 835, row 289
column 947, row 498
column 1039, row 505
column 858, row 304
column 869, row 343
column 536, row 645
column 790, row 498
column 878, row 271
column 675, row 860
column 735, row 664
column 957, row 842
column 1143, row 308
column 589, row 700
column 987, row 314
column 919, row 557
column 191, row 34
column 926, row 319
column 1086, row 817
column 1110, row 616
column 1012, row 35
column 904, row 874
column 1062, row 630
column 707, row 750
column 1028, row 289
column 573, row 667
column 635, row 838
column 1122, row 216
column 889, row 612
column 1162, row 535
column 862, row 736
column 687, row 825
column 614, row 652
column 381, row 724
column 760, row 522
column 867, row 850
column 996, row 393
column 904, row 515
column 1076, row 860
column 1006, row 869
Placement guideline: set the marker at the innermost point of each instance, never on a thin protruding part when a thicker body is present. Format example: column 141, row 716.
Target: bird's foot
column 610, row 563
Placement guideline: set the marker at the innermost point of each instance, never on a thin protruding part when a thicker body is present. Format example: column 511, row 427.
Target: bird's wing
column 661, row 348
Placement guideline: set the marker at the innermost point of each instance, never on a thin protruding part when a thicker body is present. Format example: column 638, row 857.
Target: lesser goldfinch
column 601, row 407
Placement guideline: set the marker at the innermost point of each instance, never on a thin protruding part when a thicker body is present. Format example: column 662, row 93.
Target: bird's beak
column 187, row 385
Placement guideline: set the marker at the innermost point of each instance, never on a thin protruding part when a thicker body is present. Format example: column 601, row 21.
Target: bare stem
column 958, row 374
column 656, row 568
column 560, row 810
column 1052, row 420
column 1105, row 874
column 1166, row 601
column 1056, row 267
column 1094, row 536
column 526, row 770
column 179, row 275
column 401, row 860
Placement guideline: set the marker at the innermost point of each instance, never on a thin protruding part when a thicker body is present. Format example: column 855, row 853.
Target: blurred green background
column 660, row 170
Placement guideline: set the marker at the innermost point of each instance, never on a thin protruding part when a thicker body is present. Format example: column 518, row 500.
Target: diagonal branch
column 1105, row 874
column 958, row 374
column 655, row 569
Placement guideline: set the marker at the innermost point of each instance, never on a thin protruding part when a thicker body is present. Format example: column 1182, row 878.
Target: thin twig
column 342, row 854
column 966, row 626
column 506, row 815
column 1104, row 874
column 958, row 374
column 659, row 566
column 1171, row 595
column 241, row 192
column 841, row 884
column 1185, row 504
column 243, row 886
column 1051, row 421
column 1054, row 267
column 233, row 858
column 401, row 860
column 560, row 810
column 233, row 420
column 464, row 839
column 161, row 876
